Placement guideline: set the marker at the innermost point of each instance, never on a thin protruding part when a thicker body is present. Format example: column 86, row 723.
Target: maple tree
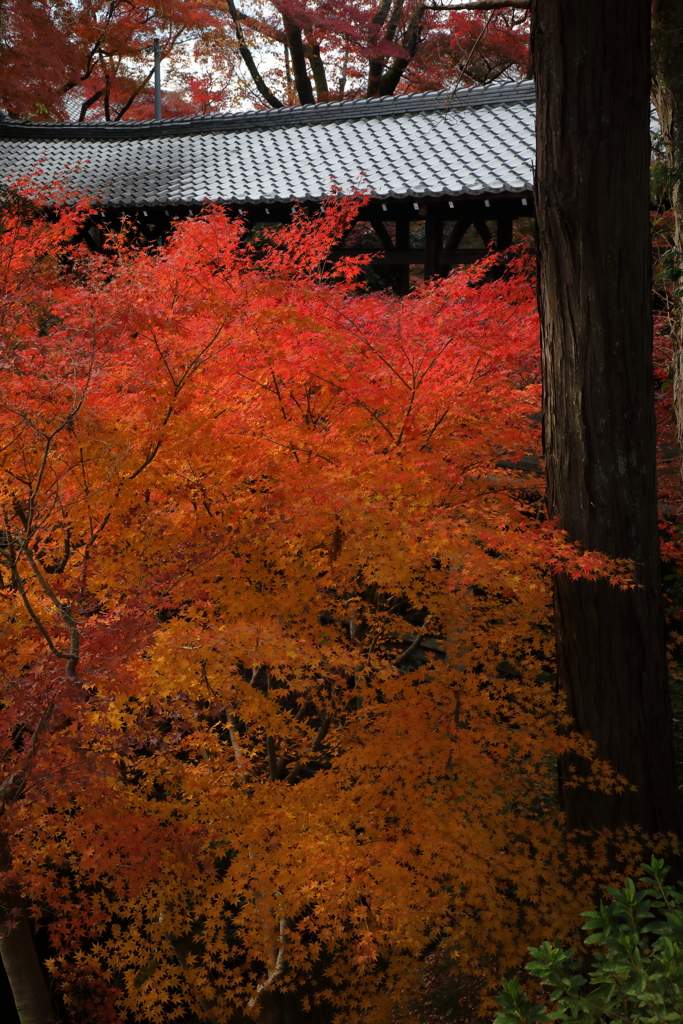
column 95, row 60
column 325, row 50
column 277, row 712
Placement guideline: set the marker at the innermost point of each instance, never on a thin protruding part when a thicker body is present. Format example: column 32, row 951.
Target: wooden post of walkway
column 433, row 241
column 402, row 277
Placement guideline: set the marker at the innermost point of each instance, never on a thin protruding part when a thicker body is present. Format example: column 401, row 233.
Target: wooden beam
column 382, row 233
column 461, row 256
column 483, row 230
column 402, row 272
column 458, row 233
column 413, row 256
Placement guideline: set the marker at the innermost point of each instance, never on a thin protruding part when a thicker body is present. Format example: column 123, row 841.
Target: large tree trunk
column 18, row 952
column 592, row 205
column 667, row 93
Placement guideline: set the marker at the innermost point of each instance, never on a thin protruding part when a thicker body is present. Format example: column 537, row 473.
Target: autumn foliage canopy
column 94, row 60
column 277, row 706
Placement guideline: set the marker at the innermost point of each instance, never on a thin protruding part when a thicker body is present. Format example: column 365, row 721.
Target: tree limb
column 406, row 654
column 274, row 972
column 65, row 612
column 410, row 42
column 376, row 65
column 133, row 96
column 18, row 584
column 248, row 59
column 298, row 54
column 318, row 69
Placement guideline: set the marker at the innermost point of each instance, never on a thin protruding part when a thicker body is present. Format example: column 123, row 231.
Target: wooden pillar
column 504, row 233
column 402, row 277
column 433, row 242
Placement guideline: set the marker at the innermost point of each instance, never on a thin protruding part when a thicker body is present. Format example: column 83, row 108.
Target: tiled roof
column 467, row 143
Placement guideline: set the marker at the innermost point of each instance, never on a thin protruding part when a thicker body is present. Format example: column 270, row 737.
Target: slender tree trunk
column 298, row 54
column 667, row 93
column 410, row 42
column 19, row 957
column 322, row 89
column 592, row 206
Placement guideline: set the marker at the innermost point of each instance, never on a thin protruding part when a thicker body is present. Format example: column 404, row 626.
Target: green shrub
column 636, row 974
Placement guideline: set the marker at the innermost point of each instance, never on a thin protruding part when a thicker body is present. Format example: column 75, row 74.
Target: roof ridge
column 444, row 100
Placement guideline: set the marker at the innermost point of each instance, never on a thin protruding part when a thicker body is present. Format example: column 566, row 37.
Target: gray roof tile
column 470, row 142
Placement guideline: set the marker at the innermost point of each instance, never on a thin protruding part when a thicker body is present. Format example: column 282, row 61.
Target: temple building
column 447, row 173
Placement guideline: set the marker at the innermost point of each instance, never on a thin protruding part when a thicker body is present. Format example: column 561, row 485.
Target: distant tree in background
column 90, row 58
column 96, row 60
column 332, row 50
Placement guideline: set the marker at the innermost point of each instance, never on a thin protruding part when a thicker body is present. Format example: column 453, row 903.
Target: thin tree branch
column 145, row 464
column 317, row 743
column 248, row 59
column 19, row 584
column 64, row 611
column 133, row 96
column 275, row 972
column 13, row 786
column 406, row 654
column 60, row 566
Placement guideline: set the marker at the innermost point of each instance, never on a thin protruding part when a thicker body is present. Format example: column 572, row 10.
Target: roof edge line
column 444, row 101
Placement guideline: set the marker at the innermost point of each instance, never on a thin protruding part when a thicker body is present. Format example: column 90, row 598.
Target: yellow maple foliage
column 277, row 711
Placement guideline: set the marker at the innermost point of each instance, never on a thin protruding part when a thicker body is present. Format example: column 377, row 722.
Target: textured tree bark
column 592, row 207
column 297, row 52
column 19, row 957
column 322, row 89
column 667, row 93
column 410, row 40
